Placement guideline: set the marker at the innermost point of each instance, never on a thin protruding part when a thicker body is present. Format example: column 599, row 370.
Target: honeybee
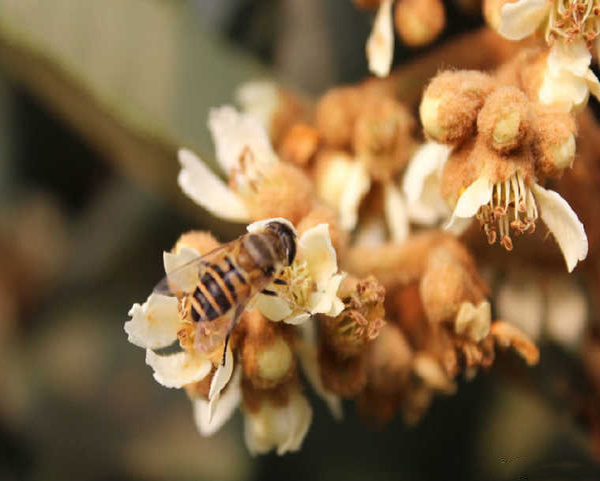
column 215, row 288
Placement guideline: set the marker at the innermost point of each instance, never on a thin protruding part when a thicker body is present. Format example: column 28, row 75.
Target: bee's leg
column 234, row 320
column 225, row 348
column 268, row 292
column 280, row 282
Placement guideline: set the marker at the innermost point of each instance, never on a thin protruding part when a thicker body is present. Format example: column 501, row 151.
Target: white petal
column 573, row 57
column 259, row 99
column 593, row 83
column 174, row 261
column 427, row 161
column 206, row 189
column 273, row 308
column 306, row 347
column 278, row 427
column 564, row 224
column 155, row 323
column 477, row 194
column 431, row 207
column 567, row 311
column 297, row 318
column 521, row 18
column 316, row 249
column 220, row 380
column 177, row 370
column 457, row 226
column 380, row 45
column 261, row 224
column 563, row 90
column 396, row 213
column 233, row 132
column 327, row 302
column 357, row 184
column 228, row 403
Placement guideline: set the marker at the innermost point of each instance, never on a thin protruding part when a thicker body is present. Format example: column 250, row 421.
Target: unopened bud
column 451, row 103
column 505, row 120
column 419, row 22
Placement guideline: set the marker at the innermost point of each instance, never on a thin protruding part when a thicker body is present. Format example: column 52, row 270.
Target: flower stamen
column 511, row 208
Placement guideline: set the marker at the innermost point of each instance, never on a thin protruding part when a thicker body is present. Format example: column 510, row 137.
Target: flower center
column 298, row 284
column 512, row 207
column 574, row 19
column 248, row 176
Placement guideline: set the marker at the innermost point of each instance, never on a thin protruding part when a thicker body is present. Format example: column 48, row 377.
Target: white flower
column 342, row 183
column 244, row 154
column 422, row 181
column 312, row 281
column 155, row 324
column 380, row 45
column 512, row 205
column 282, row 428
column 474, row 321
column 567, row 79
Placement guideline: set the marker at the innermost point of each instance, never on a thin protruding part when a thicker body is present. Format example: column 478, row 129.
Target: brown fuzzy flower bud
column 322, row 214
column 451, row 103
column 419, row 22
column 389, row 360
column 286, row 192
column 505, row 119
column 267, row 357
column 345, row 377
column 554, row 144
column 299, row 144
column 446, row 284
column 335, row 116
column 383, row 136
column 360, row 321
column 202, row 241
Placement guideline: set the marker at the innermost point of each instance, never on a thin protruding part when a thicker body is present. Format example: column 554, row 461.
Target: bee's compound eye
column 287, row 236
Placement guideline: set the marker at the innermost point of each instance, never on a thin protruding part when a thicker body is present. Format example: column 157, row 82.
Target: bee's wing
column 184, row 279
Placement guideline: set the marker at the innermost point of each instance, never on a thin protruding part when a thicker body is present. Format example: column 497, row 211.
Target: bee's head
column 286, row 232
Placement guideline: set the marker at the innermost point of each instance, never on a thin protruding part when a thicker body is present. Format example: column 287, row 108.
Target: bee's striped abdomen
column 219, row 289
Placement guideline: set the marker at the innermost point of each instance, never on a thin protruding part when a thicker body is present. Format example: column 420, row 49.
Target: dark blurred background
column 95, row 97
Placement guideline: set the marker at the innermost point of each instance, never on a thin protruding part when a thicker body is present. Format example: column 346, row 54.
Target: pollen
column 512, row 208
column 572, row 20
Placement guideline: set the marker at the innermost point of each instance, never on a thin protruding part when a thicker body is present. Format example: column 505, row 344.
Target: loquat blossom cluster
column 386, row 303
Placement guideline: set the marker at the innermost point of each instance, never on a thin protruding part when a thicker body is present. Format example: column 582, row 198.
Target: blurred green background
column 95, row 98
